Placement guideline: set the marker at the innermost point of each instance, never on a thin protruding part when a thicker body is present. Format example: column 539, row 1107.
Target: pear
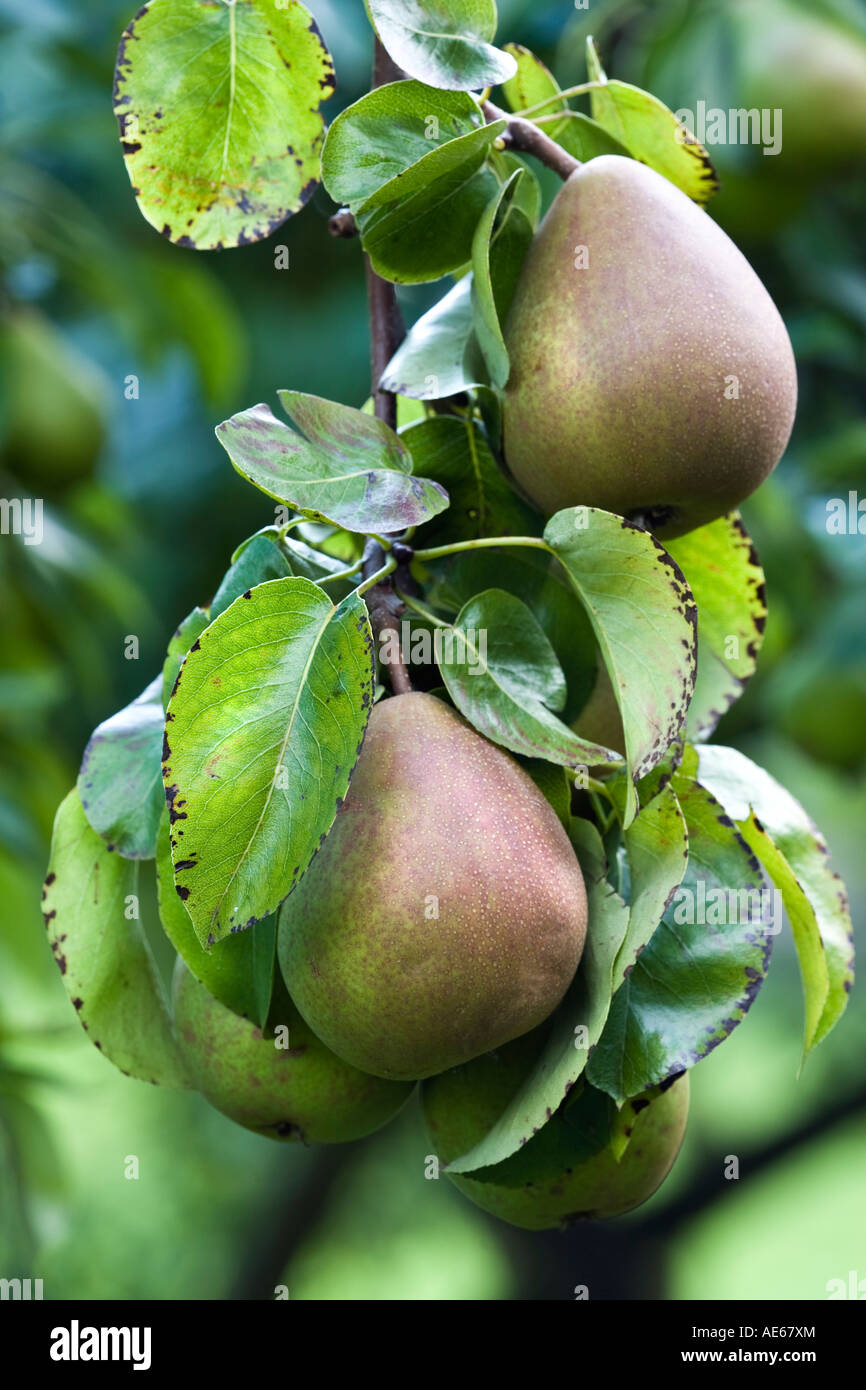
column 651, row 374
column 802, row 64
column 300, row 1092
column 568, row 1171
column 55, row 403
column 445, row 912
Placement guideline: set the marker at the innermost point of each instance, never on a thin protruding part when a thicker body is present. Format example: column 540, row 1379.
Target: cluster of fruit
column 445, row 915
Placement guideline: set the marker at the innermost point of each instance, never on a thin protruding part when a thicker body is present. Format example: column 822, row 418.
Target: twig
column 386, row 334
column 343, row 223
column 522, row 135
column 385, row 608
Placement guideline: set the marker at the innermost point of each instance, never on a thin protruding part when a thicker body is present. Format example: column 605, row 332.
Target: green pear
column 445, row 912
column 568, row 1170
column 299, row 1092
column 812, row 69
column 651, row 374
column 54, row 402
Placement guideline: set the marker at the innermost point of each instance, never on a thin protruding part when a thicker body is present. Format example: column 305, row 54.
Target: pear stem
column 530, row 139
column 575, row 91
column 438, row 552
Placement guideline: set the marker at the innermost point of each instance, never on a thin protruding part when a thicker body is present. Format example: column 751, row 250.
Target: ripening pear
column 445, row 912
column 299, row 1092
column 812, row 68
column 54, row 403
column 568, row 1171
column 651, row 374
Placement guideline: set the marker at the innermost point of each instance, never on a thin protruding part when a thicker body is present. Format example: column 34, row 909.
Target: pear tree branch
column 387, row 332
column 527, row 138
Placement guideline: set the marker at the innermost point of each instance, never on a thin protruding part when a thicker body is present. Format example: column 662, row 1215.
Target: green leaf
column 455, row 454
column 90, row 904
column 260, row 560
column 699, row 974
column 527, row 198
column 533, row 84
column 439, row 356
column 189, row 632
column 502, row 674
column 262, row 733
column 445, row 43
column 794, row 853
column 643, row 616
column 239, row 971
column 119, row 783
column 218, row 106
column 724, row 574
column 575, row 1027
column 337, row 465
column 299, row 557
column 378, row 138
column 554, row 784
column 651, row 132
column 499, row 246
column 420, row 225
column 657, row 850
column 537, row 579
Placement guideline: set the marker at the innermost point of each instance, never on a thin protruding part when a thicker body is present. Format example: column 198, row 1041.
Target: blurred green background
column 142, row 512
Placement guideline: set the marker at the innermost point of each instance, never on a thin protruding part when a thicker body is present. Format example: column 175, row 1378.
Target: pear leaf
column 724, row 573
column 378, row 138
column 445, row 43
column 503, row 675
column 657, row 851
column 440, row 355
column 218, row 107
column 420, row 225
column 499, row 247
column 186, row 635
column 699, row 973
column 644, row 618
column 534, row 577
column 650, row 132
column 119, row 783
column 90, row 904
column 262, row 559
column 454, row 453
column 338, row 465
column 238, row 971
column 794, row 854
column 252, row 790
column 532, row 85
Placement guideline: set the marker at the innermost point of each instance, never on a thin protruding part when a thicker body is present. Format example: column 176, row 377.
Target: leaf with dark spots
column 794, row 854
column 696, row 978
column 230, row 181
column 281, row 773
column 107, row 967
column 724, row 573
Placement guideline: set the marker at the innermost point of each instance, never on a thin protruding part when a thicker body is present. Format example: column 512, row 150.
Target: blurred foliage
column 141, row 514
